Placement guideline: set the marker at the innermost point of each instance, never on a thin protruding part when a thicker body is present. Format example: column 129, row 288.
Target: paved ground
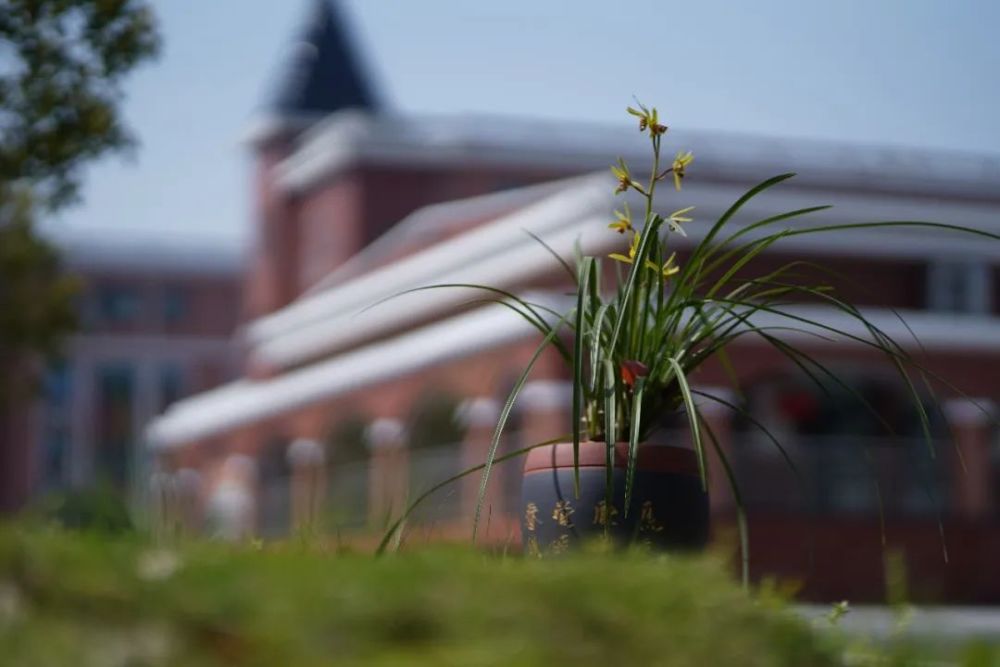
column 945, row 622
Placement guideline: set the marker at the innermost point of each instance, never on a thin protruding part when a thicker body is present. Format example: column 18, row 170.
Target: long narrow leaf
column 501, row 422
column 396, row 527
column 638, row 267
column 633, row 441
column 559, row 258
column 578, row 350
column 741, row 515
column 535, row 318
column 609, row 441
column 693, row 414
column 763, row 429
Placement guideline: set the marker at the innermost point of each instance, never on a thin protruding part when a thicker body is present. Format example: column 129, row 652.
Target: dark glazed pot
column 668, row 509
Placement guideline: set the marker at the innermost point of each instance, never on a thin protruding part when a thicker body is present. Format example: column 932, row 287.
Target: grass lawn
column 87, row 599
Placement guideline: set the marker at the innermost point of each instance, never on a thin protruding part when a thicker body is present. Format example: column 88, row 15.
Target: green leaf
column 390, row 535
column 638, row 267
column 595, row 344
column 693, row 415
column 704, row 246
column 501, row 422
column 751, row 227
column 800, row 482
column 559, row 258
column 578, row 350
column 633, row 440
column 609, row 441
column 741, row 515
column 532, row 316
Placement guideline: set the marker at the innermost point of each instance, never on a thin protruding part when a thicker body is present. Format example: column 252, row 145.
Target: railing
column 843, row 476
column 849, row 475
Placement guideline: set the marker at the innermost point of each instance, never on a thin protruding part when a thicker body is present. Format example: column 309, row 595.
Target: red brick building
column 356, row 203
column 157, row 315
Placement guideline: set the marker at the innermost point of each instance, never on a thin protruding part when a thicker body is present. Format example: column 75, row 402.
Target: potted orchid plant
column 633, row 339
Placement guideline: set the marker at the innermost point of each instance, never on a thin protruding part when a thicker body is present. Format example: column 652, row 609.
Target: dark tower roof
column 324, row 73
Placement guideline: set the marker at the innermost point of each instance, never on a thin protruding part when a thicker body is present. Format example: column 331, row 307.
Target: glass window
column 57, row 385
column 959, row 286
column 176, row 304
column 115, row 400
column 55, row 454
column 55, row 429
column 118, row 303
column 171, row 383
column 434, row 439
column 275, row 489
column 855, row 446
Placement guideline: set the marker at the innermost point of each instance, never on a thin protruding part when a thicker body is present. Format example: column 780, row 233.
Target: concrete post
column 187, row 493
column 547, row 406
column 389, row 470
column 306, row 459
column 971, row 422
column 479, row 416
column 232, row 507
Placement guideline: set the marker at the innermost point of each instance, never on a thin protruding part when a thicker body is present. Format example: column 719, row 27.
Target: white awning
column 502, row 255
column 247, row 401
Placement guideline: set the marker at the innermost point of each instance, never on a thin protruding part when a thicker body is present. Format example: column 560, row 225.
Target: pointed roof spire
column 324, row 73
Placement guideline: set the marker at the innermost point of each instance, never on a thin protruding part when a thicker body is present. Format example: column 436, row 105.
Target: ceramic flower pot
column 668, row 508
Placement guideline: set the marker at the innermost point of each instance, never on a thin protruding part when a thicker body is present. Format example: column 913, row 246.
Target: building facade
column 358, row 390
column 156, row 319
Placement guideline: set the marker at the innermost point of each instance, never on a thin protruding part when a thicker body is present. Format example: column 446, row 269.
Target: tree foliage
column 36, row 297
column 61, row 67
column 60, row 87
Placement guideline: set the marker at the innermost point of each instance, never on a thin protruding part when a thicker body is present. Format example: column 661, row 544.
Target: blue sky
column 904, row 72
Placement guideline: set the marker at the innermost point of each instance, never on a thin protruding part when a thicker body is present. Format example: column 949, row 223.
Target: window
column 118, row 304
column 434, row 437
column 115, row 400
column 858, row 448
column 347, row 457
column 959, row 286
column 171, row 385
column 56, row 428
column 275, row 508
column 176, row 304
column 57, row 386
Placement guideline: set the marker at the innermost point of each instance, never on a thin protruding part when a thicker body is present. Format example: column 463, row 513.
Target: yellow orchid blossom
column 675, row 219
column 655, row 128
column 668, row 269
column 623, row 221
column 680, row 164
column 618, row 257
column 641, row 115
column 648, row 118
column 621, row 172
